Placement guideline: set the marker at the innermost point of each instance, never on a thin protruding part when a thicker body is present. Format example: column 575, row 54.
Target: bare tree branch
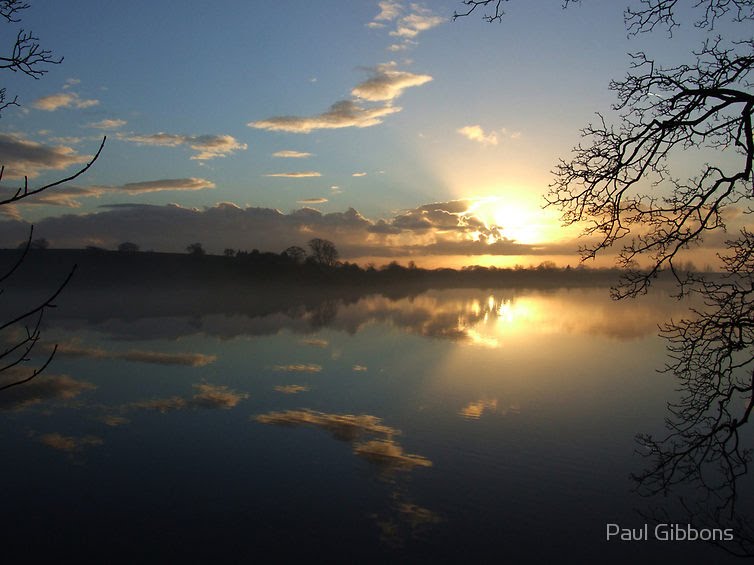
column 24, row 192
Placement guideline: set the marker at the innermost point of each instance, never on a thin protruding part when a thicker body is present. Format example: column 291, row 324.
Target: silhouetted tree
column 621, row 183
column 295, row 253
column 25, row 55
column 128, row 247
column 195, row 249
column 323, row 252
column 228, row 252
column 28, row 57
column 40, row 243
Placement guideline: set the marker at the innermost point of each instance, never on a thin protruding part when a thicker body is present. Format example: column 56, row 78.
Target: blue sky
column 429, row 111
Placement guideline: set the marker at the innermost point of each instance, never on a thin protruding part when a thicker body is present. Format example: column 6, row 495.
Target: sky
column 383, row 126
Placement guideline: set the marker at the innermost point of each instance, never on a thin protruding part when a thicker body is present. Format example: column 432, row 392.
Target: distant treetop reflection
column 477, row 317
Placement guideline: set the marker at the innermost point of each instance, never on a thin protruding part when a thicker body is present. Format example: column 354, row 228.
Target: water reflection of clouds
column 69, row 444
column 374, row 442
column 314, row 342
column 475, row 410
column 298, row 368
column 76, row 350
column 291, row 389
column 42, row 388
column 472, row 316
column 345, row 427
column 207, row 396
column 382, row 451
column 389, row 455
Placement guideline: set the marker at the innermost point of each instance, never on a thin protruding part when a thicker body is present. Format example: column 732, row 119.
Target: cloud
column 387, row 454
column 69, row 196
column 215, row 397
column 440, row 228
column 312, row 201
column 314, row 342
column 296, row 175
column 22, row 157
column 72, row 349
column 359, row 368
column 66, row 196
column 360, row 174
column 291, row 389
column 107, row 124
column 206, row 146
column 160, row 139
column 413, row 24
column 476, row 133
column 114, row 420
column 389, row 10
column 343, row 114
column 291, row 154
column 474, row 410
column 40, row 389
column 191, row 183
column 299, row 368
column 386, row 83
column 69, row 444
column 63, row 100
column 381, row 450
column 345, row 427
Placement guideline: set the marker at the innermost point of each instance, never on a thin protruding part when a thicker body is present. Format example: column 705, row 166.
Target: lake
column 229, row 425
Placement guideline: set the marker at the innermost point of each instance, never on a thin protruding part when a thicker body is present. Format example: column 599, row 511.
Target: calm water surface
column 449, row 426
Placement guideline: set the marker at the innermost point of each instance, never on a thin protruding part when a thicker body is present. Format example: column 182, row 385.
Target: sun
column 525, row 223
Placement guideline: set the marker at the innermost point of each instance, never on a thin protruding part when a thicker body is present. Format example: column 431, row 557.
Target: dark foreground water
column 450, row 426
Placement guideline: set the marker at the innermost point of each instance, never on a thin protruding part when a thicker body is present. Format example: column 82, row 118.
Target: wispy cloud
column 388, row 454
column 291, row 389
column 287, row 154
column 380, row 449
column 70, row 196
column 63, row 100
column 343, row 114
column 69, row 444
column 389, row 10
column 107, row 124
column 359, row 174
column 191, row 183
column 343, row 426
column 386, row 83
column 476, row 133
column 66, row 196
column 28, row 158
column 72, row 349
column 40, row 389
column 409, row 22
column 312, row 201
column 206, row 146
column 299, row 368
column 295, row 175
column 474, row 410
column 209, row 396
column 419, row 20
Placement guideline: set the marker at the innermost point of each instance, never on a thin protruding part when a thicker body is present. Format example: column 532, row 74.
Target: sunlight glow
column 517, row 219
